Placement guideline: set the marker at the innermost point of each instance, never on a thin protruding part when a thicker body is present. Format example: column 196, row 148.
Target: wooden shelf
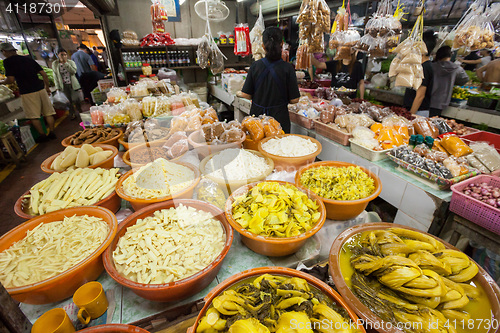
column 145, row 48
column 239, row 64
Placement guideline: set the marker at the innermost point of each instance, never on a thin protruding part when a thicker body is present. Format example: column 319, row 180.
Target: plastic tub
column 113, row 141
column 180, row 289
column 272, row 246
column 232, row 185
column 474, row 210
column 340, row 210
column 491, row 138
column 112, row 202
column 197, row 141
column 332, row 133
column 290, row 164
column 255, row 272
column 66, row 283
column 482, row 278
column 106, row 164
column 138, row 203
column 369, row 154
column 114, row 328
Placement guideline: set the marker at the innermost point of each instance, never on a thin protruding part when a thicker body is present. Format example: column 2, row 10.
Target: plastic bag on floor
column 59, row 100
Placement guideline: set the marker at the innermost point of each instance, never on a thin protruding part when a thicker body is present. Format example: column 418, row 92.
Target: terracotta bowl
column 106, row 164
column 114, row 328
column 113, row 141
column 340, row 210
column 138, row 203
column 272, row 246
column 112, row 202
column 482, row 278
column 197, row 141
column 180, row 289
column 232, row 185
column 255, row 272
column 128, row 145
column 62, row 285
column 290, row 164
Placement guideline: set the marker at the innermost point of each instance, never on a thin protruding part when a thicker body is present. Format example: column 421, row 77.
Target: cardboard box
column 227, row 76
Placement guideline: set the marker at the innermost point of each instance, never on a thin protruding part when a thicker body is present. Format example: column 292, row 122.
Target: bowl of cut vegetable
column 170, row 250
column 87, row 156
column 71, row 188
column 259, row 212
column 102, row 135
column 345, row 188
column 303, row 302
column 47, row 258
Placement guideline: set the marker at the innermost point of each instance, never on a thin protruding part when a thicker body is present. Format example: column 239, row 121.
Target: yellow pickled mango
column 250, row 325
column 294, row 322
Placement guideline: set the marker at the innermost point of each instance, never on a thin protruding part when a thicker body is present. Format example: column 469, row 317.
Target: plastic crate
column 301, row 120
column 27, row 137
column 332, row 133
column 474, row 210
column 481, row 102
column 491, row 138
column 369, row 154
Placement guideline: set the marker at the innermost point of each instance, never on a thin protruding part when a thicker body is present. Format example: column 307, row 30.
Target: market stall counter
column 127, row 307
column 420, row 204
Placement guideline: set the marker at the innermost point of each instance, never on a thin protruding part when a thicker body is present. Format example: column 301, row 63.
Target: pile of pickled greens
column 272, row 303
column 338, row 183
column 408, row 277
column 276, row 210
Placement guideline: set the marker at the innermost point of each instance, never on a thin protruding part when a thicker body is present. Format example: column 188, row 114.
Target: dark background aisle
column 25, row 176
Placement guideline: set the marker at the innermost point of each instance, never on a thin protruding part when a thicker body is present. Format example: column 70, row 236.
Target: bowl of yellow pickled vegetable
column 274, row 299
column 345, row 188
column 274, row 218
column 397, row 276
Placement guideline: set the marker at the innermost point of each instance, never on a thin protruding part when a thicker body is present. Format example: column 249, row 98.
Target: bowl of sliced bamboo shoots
column 71, row 188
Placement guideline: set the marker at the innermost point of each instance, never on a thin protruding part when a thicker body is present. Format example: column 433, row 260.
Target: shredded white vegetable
column 290, row 146
column 170, row 245
column 51, row 248
column 177, row 178
column 236, row 164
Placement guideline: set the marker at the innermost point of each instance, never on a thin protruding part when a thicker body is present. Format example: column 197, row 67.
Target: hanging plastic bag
column 242, row 45
column 59, row 100
column 216, row 59
column 203, row 51
column 258, row 51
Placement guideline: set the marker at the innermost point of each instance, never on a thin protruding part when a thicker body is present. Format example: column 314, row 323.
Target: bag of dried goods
column 455, row 146
column 258, row 51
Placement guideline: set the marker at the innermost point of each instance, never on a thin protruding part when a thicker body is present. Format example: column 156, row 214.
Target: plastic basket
column 474, row 210
column 332, row 133
column 301, row 120
column 369, row 154
column 491, row 138
column 481, row 102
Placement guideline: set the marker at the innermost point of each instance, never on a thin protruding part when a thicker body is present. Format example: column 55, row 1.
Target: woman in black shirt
column 347, row 73
column 271, row 83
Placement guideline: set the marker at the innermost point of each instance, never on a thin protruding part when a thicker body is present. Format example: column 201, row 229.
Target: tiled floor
column 25, row 176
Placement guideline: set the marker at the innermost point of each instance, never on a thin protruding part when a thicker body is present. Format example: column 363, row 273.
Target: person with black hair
column 419, row 101
column 83, row 61
column 65, row 80
column 271, row 83
column 446, row 75
column 346, row 73
column 471, row 61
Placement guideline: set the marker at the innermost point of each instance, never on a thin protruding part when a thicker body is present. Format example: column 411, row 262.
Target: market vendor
column 419, row 101
column 470, row 61
column 34, row 92
column 271, row 83
column 346, row 73
column 489, row 73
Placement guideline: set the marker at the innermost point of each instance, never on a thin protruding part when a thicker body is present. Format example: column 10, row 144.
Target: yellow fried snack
column 276, row 210
column 338, row 183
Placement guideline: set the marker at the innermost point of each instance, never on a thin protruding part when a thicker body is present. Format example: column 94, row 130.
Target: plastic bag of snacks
column 116, row 95
column 242, row 45
column 132, row 108
column 407, row 65
column 475, row 30
column 455, row 146
column 303, row 56
column 285, row 52
column 203, row 52
column 258, row 51
column 216, row 59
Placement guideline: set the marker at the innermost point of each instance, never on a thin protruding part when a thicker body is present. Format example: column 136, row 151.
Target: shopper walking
column 83, row 61
column 34, row 92
column 66, row 81
column 446, row 75
column 271, row 83
column 346, row 73
column 419, row 101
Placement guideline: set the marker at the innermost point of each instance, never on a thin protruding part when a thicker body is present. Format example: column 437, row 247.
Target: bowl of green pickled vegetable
column 274, row 218
column 274, row 299
column 345, row 188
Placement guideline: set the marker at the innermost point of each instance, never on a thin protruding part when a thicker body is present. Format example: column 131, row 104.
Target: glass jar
column 231, row 39
column 147, row 69
column 223, row 39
